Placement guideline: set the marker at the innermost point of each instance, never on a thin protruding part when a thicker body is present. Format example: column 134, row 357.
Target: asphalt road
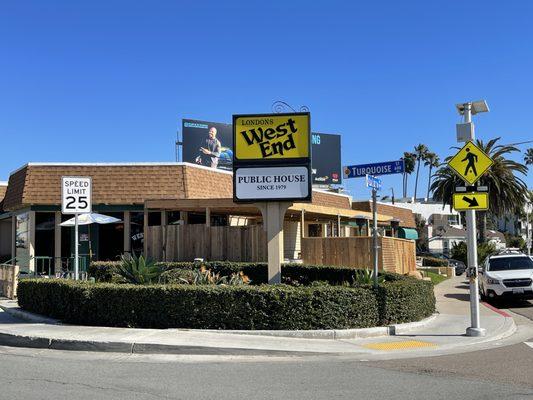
column 499, row 373
column 506, row 365
column 48, row 374
column 524, row 308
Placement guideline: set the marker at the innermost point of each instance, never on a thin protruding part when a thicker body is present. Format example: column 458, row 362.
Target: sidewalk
column 441, row 334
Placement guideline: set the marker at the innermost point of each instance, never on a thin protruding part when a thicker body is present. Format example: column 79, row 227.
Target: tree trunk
column 481, row 222
column 429, row 180
column 416, row 180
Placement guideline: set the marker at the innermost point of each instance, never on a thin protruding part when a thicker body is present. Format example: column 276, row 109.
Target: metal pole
column 375, row 235
column 76, row 265
column 528, row 231
column 471, row 243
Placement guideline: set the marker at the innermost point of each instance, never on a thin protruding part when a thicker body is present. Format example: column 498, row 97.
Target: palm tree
column 421, row 153
column 506, row 191
column 433, row 161
column 409, row 166
column 528, row 156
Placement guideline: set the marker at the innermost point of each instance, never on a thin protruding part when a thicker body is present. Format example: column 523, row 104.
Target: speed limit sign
column 76, row 192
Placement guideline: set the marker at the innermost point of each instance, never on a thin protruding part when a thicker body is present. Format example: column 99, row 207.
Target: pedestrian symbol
column 470, row 163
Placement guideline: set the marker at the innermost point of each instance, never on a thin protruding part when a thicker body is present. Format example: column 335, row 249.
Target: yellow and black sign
column 471, row 201
column 272, row 136
column 470, row 163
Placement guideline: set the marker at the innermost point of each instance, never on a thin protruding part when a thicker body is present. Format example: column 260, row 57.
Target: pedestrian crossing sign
column 470, row 163
column 471, row 201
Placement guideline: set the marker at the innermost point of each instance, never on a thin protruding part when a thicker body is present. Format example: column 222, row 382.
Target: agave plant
column 204, row 276
column 138, row 270
column 239, row 279
column 365, row 277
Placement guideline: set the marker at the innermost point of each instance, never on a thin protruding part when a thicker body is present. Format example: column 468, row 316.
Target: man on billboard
column 210, row 154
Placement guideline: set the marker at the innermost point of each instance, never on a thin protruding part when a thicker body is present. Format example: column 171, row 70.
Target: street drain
column 403, row 345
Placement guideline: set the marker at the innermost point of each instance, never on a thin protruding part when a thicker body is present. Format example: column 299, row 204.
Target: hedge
column 228, row 307
column 294, row 274
column 434, row 262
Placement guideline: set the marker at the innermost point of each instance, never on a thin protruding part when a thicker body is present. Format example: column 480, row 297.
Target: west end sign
column 272, row 157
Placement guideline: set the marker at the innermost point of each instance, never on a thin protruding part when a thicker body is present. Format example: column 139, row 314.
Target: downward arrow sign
column 472, row 202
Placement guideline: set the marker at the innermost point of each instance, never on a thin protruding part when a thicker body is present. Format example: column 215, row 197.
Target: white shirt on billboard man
column 211, row 152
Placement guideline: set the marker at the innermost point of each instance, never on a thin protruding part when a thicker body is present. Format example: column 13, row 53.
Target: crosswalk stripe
column 530, row 344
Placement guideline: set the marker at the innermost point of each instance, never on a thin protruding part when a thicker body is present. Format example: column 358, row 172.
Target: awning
column 407, row 233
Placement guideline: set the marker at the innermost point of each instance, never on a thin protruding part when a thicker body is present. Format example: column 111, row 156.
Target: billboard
column 208, row 143
column 326, row 149
column 326, row 159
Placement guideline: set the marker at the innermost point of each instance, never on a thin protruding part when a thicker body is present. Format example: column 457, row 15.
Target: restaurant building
column 146, row 195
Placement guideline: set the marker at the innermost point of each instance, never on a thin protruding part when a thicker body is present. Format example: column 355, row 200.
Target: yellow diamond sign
column 470, row 163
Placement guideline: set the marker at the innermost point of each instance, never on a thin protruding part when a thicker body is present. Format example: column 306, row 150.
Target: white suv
column 507, row 274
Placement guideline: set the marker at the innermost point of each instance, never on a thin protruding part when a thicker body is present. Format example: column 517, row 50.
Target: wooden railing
column 187, row 242
column 395, row 255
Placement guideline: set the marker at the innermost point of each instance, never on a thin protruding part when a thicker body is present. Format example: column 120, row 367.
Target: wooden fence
column 8, row 280
column 187, row 242
column 395, row 255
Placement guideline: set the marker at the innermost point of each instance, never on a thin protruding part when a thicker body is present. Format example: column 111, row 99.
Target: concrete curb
column 12, row 340
column 332, row 334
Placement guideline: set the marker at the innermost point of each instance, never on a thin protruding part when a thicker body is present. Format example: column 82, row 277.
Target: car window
column 510, row 263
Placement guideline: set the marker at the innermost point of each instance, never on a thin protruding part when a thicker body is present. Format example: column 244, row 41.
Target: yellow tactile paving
column 403, row 345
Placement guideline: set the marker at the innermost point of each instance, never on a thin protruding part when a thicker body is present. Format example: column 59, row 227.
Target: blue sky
column 110, row 80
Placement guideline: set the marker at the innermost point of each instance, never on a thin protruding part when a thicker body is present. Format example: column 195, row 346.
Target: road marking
column 496, row 310
column 403, row 345
column 530, row 344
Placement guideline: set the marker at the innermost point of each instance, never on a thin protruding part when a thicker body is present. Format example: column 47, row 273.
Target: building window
column 453, row 219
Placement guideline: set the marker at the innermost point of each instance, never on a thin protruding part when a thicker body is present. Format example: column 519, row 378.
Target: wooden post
column 273, row 216
column 164, row 223
column 207, row 216
column 31, row 228
column 302, row 224
column 13, row 238
column 145, row 233
column 127, row 233
column 184, row 216
column 57, row 241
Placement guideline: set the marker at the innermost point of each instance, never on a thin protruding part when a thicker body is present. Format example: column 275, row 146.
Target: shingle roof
column 119, row 184
column 405, row 216
column 3, row 189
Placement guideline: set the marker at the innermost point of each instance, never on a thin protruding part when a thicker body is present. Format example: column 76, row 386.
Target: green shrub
column 405, row 301
column 138, row 270
column 366, row 277
column 434, row 262
column 459, row 252
column 203, row 276
column 292, row 274
column 319, row 306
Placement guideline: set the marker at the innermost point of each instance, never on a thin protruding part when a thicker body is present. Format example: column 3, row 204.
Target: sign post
column 369, row 171
column 470, row 163
column 375, row 184
column 272, row 168
column 76, row 198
